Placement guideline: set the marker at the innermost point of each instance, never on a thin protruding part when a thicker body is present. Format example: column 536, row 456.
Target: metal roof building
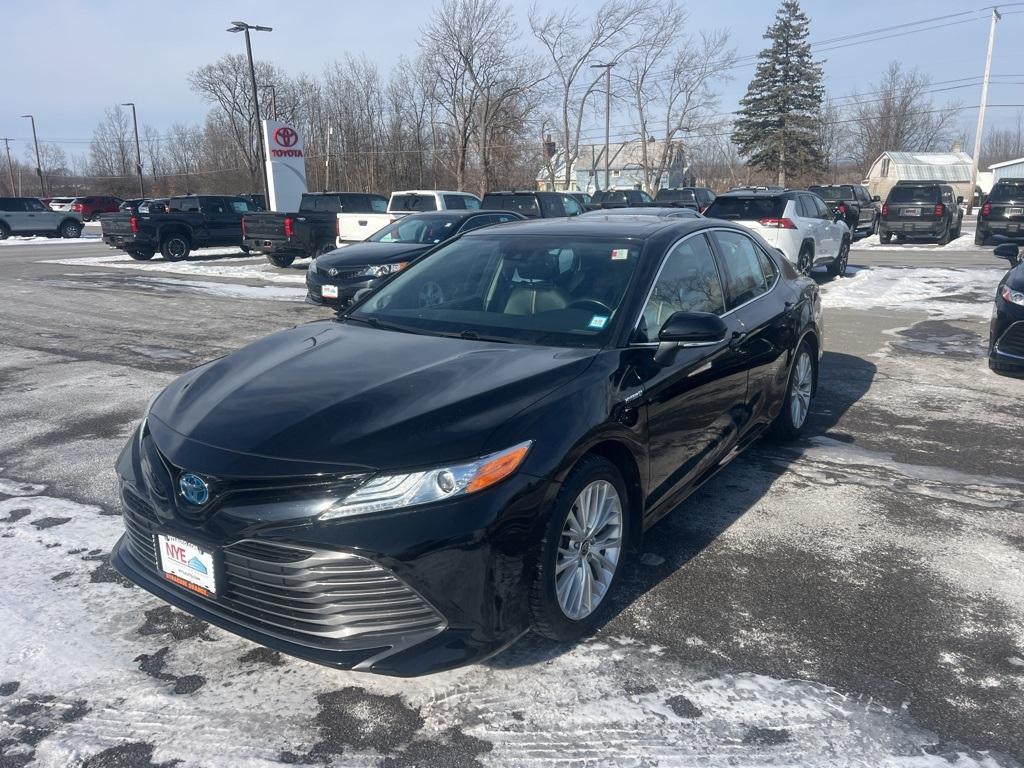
column 954, row 168
column 1009, row 169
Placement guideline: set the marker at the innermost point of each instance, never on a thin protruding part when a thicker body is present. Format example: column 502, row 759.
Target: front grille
column 324, row 593
column 1012, row 341
column 341, row 274
column 282, row 588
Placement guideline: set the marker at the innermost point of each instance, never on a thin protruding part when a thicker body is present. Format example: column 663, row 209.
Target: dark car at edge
column 1002, row 213
column 334, row 278
column 414, row 485
column 1006, row 329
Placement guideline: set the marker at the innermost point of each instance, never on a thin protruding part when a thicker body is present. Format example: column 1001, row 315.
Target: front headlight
column 1012, row 296
column 381, row 270
column 397, row 491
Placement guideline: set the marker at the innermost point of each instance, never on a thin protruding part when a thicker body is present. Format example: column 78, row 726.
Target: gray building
column 954, row 168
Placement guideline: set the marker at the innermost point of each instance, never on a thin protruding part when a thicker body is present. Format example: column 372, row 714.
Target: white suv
column 797, row 223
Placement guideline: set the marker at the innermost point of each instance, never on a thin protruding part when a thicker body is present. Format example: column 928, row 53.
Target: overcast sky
column 65, row 61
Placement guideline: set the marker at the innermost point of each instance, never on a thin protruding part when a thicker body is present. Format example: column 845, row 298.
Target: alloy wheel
column 803, row 263
column 800, row 389
column 589, row 549
column 176, row 247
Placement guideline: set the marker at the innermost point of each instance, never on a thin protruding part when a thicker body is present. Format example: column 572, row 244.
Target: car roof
column 640, row 227
column 456, row 213
column 660, row 212
column 755, row 193
column 431, row 192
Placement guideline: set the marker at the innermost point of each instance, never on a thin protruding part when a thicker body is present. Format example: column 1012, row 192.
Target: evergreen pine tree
column 778, row 124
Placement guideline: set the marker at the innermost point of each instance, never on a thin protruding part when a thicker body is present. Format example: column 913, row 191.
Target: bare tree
column 1001, row 144
column 898, row 114
column 669, row 82
column 572, row 44
column 111, row 152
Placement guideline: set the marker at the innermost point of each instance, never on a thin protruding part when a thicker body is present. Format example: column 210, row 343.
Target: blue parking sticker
column 598, row 321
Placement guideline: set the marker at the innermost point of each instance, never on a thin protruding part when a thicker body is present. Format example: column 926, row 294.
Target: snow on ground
column 942, row 293
column 244, row 267
column 963, row 243
column 42, row 240
column 142, row 678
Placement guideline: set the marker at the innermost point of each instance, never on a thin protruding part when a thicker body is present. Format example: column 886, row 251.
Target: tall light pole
column 241, row 26
column 138, row 151
column 39, row 163
column 981, row 108
column 10, row 168
column 607, row 116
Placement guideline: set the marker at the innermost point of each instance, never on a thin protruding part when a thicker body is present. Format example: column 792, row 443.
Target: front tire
column 804, row 260
column 4, row 231
column 790, row 422
column 583, row 551
column 837, row 268
column 175, row 248
column 70, row 230
column 141, row 255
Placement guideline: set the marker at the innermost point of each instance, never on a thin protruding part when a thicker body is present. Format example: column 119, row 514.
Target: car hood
column 335, row 396
column 361, row 254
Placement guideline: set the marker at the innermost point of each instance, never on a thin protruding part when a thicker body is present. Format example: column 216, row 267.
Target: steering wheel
column 598, row 307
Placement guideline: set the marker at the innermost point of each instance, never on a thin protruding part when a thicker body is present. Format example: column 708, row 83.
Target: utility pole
column 241, row 26
column 327, row 162
column 39, row 163
column 607, row 117
column 981, row 109
column 10, row 168
column 138, row 151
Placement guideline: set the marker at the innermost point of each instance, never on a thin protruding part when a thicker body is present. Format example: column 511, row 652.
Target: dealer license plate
column 187, row 565
column 329, row 291
column 911, row 211
column 1015, row 211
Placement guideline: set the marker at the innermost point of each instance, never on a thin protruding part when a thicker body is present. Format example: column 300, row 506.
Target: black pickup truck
column 308, row 232
column 190, row 222
column 1002, row 213
column 855, row 204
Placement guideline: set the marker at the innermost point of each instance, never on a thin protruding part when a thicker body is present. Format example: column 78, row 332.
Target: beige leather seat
column 537, row 292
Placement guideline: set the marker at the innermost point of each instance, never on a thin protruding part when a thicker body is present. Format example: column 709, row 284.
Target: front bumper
column 400, row 593
column 347, row 285
column 1006, row 339
column 1012, row 230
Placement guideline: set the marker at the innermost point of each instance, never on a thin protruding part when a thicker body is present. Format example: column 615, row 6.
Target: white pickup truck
column 361, row 215
column 422, row 200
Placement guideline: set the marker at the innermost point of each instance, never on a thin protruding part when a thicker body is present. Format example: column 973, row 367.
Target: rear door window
column 572, row 207
column 741, row 262
column 551, row 206
column 688, row 282
column 752, row 208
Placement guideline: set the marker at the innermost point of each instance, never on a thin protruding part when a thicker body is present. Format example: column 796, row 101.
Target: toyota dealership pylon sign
column 286, row 165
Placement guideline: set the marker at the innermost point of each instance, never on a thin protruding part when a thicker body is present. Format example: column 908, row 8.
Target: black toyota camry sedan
column 473, row 450
column 335, row 277
column 1006, row 332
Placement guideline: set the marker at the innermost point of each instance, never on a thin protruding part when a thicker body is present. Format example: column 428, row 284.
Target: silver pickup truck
column 28, row 216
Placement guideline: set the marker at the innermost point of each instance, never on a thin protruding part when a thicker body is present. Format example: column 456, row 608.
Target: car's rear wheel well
column 619, row 455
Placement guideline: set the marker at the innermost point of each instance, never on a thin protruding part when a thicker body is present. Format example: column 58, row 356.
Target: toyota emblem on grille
column 194, row 489
column 333, row 271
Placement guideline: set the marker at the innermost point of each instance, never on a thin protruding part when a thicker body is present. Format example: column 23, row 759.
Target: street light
column 138, row 152
column 607, row 115
column 241, row 26
column 39, row 163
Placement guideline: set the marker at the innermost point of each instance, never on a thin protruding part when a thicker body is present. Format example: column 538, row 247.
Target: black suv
column 533, row 205
column 1003, row 212
column 921, row 209
column 698, row 198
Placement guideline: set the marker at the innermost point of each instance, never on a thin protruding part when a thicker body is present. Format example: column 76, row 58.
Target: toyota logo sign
column 285, row 136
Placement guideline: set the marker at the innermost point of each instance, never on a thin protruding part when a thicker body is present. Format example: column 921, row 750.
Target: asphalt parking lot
column 854, row 599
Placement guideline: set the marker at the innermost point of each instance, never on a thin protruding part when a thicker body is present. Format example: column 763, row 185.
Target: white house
column 953, row 168
column 626, row 169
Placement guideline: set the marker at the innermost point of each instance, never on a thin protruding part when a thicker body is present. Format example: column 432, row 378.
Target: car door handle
column 737, row 338
column 362, row 222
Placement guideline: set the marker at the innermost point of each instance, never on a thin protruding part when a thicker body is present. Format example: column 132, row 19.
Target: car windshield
column 417, row 229
column 914, row 194
column 413, row 203
column 843, row 192
column 551, row 290
column 752, row 208
column 1003, row 192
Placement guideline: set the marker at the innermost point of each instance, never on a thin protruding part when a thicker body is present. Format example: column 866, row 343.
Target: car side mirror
column 876, row 199
column 1008, row 251
column 688, row 329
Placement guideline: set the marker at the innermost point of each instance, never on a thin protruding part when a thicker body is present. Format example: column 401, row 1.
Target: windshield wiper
column 373, row 322
column 474, row 336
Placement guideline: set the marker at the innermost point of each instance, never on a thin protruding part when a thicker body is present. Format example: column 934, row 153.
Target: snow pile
column 242, row 268
column 963, row 243
column 942, row 293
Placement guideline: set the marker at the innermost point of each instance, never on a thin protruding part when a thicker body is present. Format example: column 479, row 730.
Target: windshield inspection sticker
column 618, row 254
column 598, row 321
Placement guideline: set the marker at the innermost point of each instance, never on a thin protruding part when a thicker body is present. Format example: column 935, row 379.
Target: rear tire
column 280, row 261
column 979, row 238
column 4, row 232
column 245, row 249
column 959, row 229
column 175, row 247
column 885, row 237
column 70, row 230
column 803, row 381
column 837, row 268
column 945, row 236
column 140, row 255
column 575, row 545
